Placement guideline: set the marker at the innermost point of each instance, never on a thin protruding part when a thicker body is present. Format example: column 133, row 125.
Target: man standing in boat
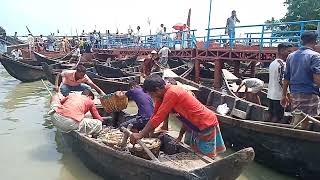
column 302, row 74
column 164, row 54
column 149, row 63
column 75, row 80
column 276, row 70
column 206, row 137
column 144, row 103
column 68, row 114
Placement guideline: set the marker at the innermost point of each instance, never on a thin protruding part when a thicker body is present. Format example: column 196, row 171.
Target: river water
column 30, row 148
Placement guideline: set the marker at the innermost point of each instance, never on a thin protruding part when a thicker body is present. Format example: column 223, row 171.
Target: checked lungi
column 208, row 142
column 307, row 103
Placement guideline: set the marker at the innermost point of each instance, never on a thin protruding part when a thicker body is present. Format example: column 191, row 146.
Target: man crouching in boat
column 206, row 137
column 69, row 113
column 75, row 80
column 256, row 86
column 144, row 103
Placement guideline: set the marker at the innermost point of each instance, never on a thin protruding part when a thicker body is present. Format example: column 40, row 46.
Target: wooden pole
column 46, row 87
column 236, row 70
column 145, row 148
column 253, row 69
column 197, row 70
column 218, row 65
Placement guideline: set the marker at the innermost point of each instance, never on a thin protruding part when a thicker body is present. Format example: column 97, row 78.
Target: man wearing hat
column 148, row 63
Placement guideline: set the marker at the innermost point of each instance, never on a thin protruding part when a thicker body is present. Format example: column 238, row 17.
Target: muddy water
column 30, row 148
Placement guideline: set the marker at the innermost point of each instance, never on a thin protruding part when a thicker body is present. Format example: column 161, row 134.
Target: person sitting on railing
column 75, row 80
column 144, row 103
column 256, row 86
column 230, row 27
column 138, row 36
column 160, row 29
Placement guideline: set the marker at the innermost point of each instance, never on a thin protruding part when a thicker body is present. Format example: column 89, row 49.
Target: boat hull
column 113, row 164
column 22, row 71
column 288, row 150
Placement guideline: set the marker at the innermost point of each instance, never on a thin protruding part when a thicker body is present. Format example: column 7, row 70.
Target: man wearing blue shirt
column 302, row 75
column 144, row 103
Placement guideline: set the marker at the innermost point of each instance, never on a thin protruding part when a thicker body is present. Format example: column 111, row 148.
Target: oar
column 46, row 87
column 145, row 148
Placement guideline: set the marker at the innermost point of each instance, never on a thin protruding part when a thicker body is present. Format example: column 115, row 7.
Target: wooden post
column 236, row 70
column 253, row 69
column 218, row 65
column 197, row 70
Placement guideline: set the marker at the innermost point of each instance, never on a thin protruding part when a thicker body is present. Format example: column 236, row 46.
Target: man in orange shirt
column 69, row 113
column 202, row 122
column 75, row 80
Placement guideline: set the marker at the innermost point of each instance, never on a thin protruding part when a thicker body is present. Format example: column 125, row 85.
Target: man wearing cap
column 148, row 63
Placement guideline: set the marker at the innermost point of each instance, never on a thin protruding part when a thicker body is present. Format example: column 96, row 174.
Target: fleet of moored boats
column 280, row 146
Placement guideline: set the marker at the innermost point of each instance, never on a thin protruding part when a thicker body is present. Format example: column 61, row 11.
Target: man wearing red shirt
column 69, row 113
column 149, row 64
column 206, row 137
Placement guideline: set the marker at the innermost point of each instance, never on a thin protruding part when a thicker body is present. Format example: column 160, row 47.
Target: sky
column 72, row 16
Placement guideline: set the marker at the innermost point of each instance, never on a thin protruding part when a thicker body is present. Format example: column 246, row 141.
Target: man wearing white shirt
column 17, row 54
column 276, row 70
column 230, row 27
column 30, row 41
column 138, row 35
column 164, row 54
column 160, row 29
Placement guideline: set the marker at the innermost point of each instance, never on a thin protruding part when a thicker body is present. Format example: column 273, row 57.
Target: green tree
column 297, row 10
column 302, row 10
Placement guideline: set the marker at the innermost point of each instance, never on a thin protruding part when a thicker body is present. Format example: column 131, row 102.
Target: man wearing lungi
column 302, row 74
column 144, row 103
column 206, row 137
column 69, row 113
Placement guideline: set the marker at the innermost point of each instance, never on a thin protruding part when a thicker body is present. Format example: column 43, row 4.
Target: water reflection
column 72, row 167
column 22, row 95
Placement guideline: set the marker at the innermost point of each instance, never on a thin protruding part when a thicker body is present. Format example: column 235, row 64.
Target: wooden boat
column 115, row 72
column 42, row 58
column 230, row 87
column 115, row 164
column 25, row 71
column 279, row 146
column 125, row 62
column 109, row 85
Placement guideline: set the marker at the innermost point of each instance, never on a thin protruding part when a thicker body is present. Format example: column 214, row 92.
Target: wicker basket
column 152, row 143
column 114, row 102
